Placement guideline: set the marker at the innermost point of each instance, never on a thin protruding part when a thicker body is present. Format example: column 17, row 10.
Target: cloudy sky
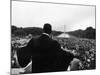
column 32, row 14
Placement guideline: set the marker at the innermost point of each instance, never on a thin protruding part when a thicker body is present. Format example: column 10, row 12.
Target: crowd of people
column 84, row 48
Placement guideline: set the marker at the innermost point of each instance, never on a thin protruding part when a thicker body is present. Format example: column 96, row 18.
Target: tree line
column 89, row 32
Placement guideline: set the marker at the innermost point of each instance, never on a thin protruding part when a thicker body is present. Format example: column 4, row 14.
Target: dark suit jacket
column 47, row 55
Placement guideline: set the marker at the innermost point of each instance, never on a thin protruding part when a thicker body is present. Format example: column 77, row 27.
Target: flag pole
column 64, row 30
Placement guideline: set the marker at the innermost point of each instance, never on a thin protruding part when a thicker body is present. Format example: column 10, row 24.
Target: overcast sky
column 31, row 14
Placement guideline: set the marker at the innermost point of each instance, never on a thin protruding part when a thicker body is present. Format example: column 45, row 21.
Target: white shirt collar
column 45, row 34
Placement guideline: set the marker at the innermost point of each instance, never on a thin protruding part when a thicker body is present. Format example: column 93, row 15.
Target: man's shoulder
column 33, row 41
column 34, row 38
column 54, row 41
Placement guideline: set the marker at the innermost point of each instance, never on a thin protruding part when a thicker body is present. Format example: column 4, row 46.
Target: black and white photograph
column 52, row 37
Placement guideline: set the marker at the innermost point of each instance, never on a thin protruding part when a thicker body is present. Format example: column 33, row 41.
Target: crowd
column 84, row 48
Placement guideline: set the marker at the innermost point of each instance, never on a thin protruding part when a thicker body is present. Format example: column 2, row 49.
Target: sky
column 72, row 17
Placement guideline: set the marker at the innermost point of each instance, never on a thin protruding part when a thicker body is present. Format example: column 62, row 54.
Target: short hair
column 47, row 28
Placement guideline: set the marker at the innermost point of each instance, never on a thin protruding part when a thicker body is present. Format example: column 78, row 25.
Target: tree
column 19, row 32
column 13, row 29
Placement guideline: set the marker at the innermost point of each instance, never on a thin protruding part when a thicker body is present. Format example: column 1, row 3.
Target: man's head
column 47, row 28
